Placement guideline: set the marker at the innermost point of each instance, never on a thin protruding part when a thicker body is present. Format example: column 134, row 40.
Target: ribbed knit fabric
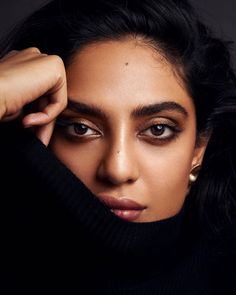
column 58, row 238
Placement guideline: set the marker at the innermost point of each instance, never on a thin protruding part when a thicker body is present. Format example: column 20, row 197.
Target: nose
column 119, row 164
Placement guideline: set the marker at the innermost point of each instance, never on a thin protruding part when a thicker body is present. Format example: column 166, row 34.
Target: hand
column 28, row 76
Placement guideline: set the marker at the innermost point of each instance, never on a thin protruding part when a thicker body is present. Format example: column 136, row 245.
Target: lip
column 124, row 208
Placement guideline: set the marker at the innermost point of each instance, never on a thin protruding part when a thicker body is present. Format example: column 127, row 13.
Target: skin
column 120, row 154
column 29, row 76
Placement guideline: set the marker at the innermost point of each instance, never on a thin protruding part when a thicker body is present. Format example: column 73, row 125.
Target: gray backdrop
column 219, row 14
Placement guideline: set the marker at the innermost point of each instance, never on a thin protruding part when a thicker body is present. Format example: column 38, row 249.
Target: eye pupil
column 157, row 129
column 80, row 129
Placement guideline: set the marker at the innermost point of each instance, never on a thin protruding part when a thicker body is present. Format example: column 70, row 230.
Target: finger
column 12, row 117
column 44, row 132
column 50, row 112
column 30, row 53
column 9, row 54
column 34, row 119
column 26, row 54
column 31, row 49
column 44, row 117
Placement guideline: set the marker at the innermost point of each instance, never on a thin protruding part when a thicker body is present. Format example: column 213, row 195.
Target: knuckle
column 58, row 66
column 33, row 50
column 56, row 59
column 64, row 103
column 12, row 52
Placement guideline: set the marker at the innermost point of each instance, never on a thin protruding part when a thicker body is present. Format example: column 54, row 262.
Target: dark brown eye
column 157, row 130
column 76, row 129
column 80, row 129
column 160, row 131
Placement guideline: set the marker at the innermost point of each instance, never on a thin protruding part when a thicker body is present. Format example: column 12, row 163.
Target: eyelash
column 64, row 124
column 174, row 130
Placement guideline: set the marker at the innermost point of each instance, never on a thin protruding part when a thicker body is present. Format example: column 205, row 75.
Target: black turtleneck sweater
column 58, row 238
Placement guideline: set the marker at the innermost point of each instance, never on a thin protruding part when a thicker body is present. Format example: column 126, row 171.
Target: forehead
column 124, row 73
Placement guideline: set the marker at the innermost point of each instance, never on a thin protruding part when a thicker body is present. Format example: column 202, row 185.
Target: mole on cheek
column 126, row 63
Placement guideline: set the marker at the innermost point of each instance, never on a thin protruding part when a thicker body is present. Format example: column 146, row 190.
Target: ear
column 199, row 150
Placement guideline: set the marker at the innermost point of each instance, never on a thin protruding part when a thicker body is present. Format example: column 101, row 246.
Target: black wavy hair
column 202, row 60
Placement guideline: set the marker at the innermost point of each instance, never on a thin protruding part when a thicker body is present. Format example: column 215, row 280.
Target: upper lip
column 120, row 203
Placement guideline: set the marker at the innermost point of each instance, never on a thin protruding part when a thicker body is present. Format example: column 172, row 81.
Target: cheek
column 165, row 178
column 166, row 170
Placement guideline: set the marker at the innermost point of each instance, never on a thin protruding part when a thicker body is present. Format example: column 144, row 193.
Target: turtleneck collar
column 156, row 244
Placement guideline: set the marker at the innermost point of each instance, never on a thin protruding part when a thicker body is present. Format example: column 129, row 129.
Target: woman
column 118, row 122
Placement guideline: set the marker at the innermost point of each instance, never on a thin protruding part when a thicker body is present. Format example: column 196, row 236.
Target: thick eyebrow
column 85, row 109
column 139, row 111
column 152, row 109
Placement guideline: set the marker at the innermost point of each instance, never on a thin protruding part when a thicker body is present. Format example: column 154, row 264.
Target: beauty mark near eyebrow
column 139, row 111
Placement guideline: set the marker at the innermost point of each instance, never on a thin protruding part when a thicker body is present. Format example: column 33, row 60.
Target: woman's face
column 129, row 130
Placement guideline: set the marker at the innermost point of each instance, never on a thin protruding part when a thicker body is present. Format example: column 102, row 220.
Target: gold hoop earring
column 194, row 173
